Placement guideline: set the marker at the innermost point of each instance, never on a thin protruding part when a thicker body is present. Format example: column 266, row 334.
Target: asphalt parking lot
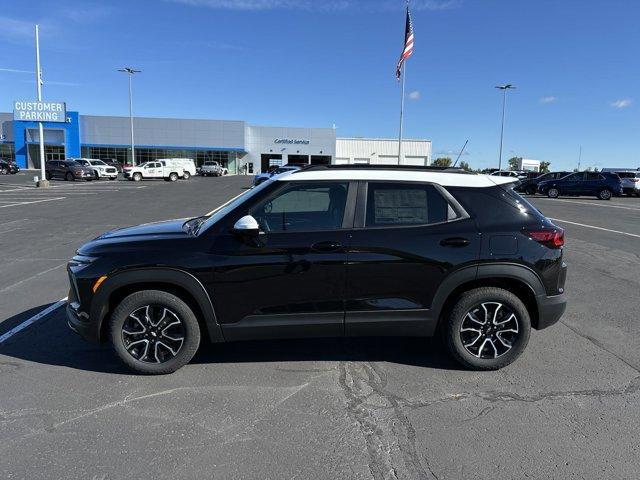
column 335, row 408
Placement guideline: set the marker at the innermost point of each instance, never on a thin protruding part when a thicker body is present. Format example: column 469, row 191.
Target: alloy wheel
column 153, row 334
column 489, row 330
column 605, row 194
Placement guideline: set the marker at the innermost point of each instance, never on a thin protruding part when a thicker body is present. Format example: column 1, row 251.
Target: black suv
column 602, row 185
column 329, row 252
column 8, row 167
column 530, row 185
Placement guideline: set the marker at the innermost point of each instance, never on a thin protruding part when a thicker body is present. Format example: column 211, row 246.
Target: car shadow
column 50, row 342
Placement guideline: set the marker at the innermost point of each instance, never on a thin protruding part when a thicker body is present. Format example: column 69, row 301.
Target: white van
column 186, row 164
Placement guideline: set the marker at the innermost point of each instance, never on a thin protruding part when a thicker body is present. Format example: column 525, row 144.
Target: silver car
column 630, row 182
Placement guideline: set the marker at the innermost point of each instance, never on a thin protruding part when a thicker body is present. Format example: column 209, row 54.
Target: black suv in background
column 329, row 251
column 602, row 185
column 8, row 167
column 69, row 170
column 530, row 185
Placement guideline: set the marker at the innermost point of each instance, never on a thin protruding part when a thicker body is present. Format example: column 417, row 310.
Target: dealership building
column 240, row 147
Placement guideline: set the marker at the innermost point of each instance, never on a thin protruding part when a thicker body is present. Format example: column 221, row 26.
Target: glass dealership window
column 7, row 151
column 143, row 155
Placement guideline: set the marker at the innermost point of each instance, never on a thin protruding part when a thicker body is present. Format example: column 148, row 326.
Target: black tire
column 553, row 192
column 145, row 362
column 4, row 171
column 69, row 177
column 112, row 178
column 186, row 176
column 531, row 190
column 473, row 300
column 96, row 175
column 173, row 177
column 47, row 175
column 136, row 177
column 605, row 194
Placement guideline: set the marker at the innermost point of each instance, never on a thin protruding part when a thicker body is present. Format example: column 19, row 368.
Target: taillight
column 551, row 238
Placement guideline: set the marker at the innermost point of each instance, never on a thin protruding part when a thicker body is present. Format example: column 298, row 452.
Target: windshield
column 72, row 163
column 97, row 162
column 215, row 215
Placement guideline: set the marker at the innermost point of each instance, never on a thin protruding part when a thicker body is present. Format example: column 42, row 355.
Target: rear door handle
column 455, row 242
column 326, row 246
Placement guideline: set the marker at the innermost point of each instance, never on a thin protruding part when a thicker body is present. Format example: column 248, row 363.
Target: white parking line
column 32, row 320
column 594, row 227
column 590, row 203
column 35, row 201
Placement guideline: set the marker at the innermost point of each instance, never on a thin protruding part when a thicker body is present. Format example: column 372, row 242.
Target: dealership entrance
column 51, row 152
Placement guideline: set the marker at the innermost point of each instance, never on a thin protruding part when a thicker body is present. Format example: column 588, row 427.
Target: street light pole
column 130, row 71
column 504, row 89
column 43, row 181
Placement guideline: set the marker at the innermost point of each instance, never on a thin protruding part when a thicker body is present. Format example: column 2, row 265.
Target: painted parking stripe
column 32, row 320
column 594, row 227
column 34, row 201
column 608, row 205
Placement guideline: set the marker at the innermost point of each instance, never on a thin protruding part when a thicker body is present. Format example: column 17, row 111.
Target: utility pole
column 130, row 71
column 504, row 89
column 43, row 182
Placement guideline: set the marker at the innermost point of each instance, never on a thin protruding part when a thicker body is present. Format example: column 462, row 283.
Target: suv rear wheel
column 604, row 194
column 488, row 328
column 173, row 177
column 553, row 192
column 154, row 332
column 137, row 177
column 186, row 176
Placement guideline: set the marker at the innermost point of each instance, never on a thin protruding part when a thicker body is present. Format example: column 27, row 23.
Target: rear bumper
column 81, row 324
column 550, row 309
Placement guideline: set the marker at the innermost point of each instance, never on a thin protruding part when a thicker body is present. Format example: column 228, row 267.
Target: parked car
column 630, row 180
column 151, row 170
column 530, row 185
column 328, row 252
column 602, row 185
column 8, row 167
column 187, row 165
column 509, row 173
column 69, row 169
column 211, row 168
column 114, row 163
column 274, row 171
column 100, row 168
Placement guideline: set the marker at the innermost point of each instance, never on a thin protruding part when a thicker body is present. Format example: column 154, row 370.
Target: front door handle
column 455, row 242
column 326, row 246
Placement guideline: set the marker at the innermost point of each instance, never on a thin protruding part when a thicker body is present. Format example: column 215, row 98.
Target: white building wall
column 529, row 164
column 379, row 151
column 287, row 141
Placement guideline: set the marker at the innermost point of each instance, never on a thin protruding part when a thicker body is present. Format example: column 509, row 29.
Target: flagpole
column 404, row 71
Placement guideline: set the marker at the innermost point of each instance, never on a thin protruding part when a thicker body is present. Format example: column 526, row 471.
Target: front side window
column 303, row 207
column 397, row 204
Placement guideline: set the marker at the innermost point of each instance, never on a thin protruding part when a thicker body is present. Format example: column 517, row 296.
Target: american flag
column 408, row 45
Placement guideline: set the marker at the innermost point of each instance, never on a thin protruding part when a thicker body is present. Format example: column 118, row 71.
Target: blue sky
column 317, row 63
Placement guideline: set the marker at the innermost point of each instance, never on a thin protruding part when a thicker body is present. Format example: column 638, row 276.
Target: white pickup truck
column 169, row 171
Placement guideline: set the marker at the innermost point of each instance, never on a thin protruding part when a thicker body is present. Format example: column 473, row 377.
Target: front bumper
column 81, row 324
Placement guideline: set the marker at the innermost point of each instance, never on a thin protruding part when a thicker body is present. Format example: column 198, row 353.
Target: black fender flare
column 173, row 276
column 472, row 273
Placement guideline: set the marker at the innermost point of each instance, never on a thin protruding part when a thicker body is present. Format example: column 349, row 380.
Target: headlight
column 83, row 259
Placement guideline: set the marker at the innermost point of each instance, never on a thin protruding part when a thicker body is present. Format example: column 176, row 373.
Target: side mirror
column 247, row 225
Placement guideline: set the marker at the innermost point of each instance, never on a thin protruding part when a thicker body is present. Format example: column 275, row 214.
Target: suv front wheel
column 154, row 332
column 605, row 194
column 488, row 328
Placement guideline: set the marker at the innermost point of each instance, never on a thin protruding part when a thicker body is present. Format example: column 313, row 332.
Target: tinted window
column 303, row 207
column 574, row 177
column 593, row 176
column 394, row 204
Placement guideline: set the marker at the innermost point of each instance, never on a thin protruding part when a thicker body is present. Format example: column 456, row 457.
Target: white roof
column 441, row 178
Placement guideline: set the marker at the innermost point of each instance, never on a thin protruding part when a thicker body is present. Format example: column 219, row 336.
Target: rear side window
column 398, row 204
column 593, row 176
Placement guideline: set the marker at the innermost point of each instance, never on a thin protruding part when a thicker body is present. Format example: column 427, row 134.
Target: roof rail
column 418, row 168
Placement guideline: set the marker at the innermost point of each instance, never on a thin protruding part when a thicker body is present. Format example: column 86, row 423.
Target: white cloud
column 549, row 99
column 15, row 70
column 622, row 103
column 415, row 95
column 13, row 29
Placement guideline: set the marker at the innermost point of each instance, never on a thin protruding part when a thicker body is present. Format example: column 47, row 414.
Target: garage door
column 342, row 161
column 388, row 159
